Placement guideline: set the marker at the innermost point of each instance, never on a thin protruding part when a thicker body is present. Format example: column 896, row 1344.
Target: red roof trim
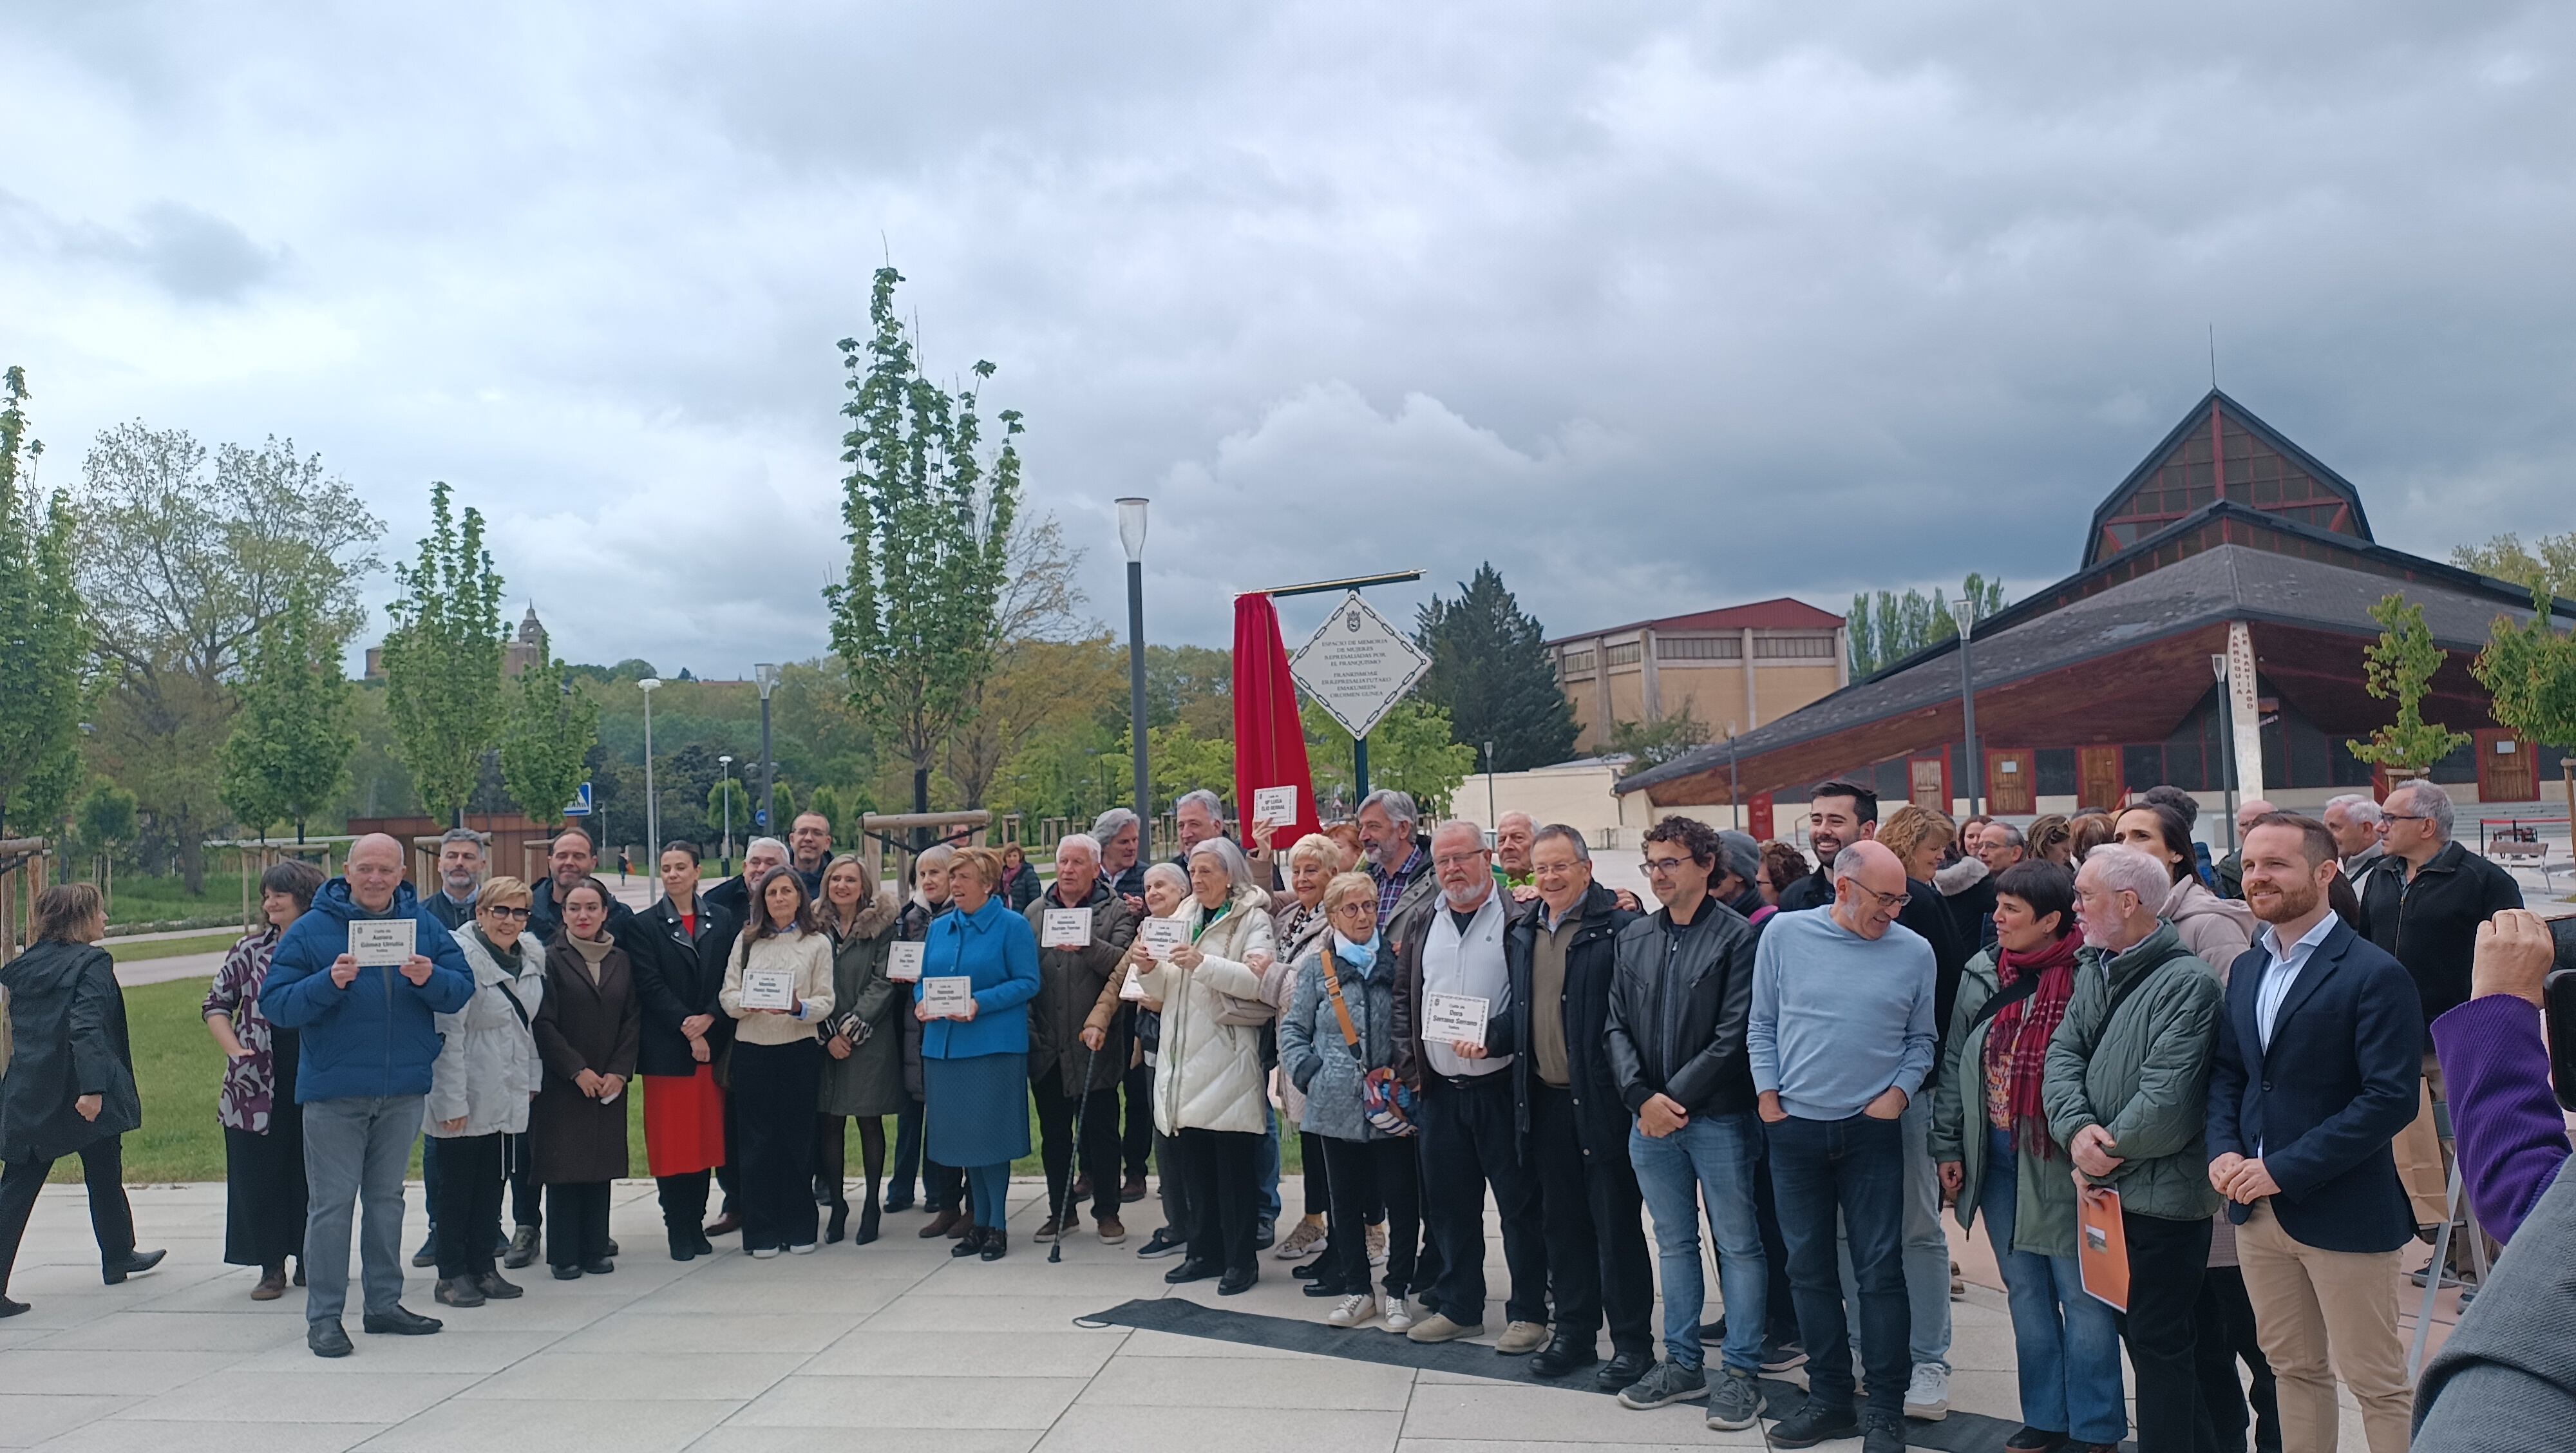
column 1781, row 613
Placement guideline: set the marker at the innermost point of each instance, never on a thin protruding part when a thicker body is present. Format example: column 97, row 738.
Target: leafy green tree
column 442, row 659
column 106, row 821
column 1653, row 743
column 184, row 558
column 546, row 748
column 727, row 789
column 1412, row 750
column 42, row 638
column 291, row 741
column 1492, row 672
column 2529, row 669
column 1893, row 627
column 1193, row 684
column 929, row 530
column 1180, row 760
column 2549, row 563
column 2401, row 664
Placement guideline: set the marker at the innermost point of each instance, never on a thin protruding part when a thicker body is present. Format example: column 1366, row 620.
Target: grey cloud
column 192, row 255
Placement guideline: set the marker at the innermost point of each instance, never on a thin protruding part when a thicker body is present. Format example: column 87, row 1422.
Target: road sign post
column 1357, row 666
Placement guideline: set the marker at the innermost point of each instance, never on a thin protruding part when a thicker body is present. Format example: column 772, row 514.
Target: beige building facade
column 1734, row 669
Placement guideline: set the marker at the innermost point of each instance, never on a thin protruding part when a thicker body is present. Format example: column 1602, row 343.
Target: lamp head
column 1964, row 611
column 1131, row 527
column 648, row 684
column 765, row 676
column 2218, row 664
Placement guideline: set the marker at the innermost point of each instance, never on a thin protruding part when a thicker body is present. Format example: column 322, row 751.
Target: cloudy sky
column 1656, row 306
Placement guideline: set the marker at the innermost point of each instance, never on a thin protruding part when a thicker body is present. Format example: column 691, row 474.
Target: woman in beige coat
column 777, row 1066
column 1210, row 1093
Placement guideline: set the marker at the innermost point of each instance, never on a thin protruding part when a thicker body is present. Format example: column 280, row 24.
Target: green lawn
column 178, row 1069
column 170, row 948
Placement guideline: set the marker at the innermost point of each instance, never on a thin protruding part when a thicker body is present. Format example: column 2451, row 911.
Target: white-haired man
column 1399, row 860
column 2423, row 906
column 2356, row 822
column 760, row 857
column 2127, row 1092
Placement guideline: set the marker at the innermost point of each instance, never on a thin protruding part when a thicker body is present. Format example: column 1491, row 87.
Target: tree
column 1049, row 665
column 2550, row 564
column 1897, row 626
column 2529, row 669
column 290, row 746
column 1179, row 760
column 1412, row 750
column 929, row 531
column 545, row 750
column 106, row 821
column 442, row 659
column 1492, row 672
column 2401, row 665
column 1653, row 743
column 181, row 567
column 42, row 638
column 718, row 821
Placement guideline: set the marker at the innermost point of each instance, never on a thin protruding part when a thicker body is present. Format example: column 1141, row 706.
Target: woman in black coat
column 587, row 1032
column 678, row 948
column 70, row 1086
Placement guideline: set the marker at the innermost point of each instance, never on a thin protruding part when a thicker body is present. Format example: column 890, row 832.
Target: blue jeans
column 1269, row 1164
column 2066, row 1344
column 355, row 1152
column 1852, row 1169
column 1712, row 1156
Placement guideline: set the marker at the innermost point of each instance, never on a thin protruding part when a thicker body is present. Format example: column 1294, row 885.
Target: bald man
column 1841, row 1041
column 369, row 1037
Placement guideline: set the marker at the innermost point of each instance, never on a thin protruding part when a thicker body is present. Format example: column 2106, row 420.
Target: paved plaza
column 893, row 1346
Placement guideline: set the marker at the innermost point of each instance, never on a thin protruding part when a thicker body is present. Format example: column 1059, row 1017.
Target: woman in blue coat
column 975, row 1062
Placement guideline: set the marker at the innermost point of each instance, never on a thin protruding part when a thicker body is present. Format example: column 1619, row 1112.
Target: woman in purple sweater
column 2512, row 1136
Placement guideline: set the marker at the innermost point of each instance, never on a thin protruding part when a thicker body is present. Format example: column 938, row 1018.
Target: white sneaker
column 1927, row 1397
column 1355, row 1309
column 1399, row 1315
column 805, row 1250
column 763, row 1253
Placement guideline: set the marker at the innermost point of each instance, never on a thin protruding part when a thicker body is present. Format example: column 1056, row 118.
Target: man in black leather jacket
column 1561, row 954
column 1678, row 1008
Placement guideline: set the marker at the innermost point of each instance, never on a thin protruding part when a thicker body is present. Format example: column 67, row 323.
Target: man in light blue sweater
column 1840, row 1039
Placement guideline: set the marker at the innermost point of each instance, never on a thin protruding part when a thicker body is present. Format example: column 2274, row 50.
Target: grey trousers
column 355, row 1150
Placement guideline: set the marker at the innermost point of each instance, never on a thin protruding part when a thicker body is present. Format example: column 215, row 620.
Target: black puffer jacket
column 1678, row 1007
column 1591, row 962
column 67, row 1022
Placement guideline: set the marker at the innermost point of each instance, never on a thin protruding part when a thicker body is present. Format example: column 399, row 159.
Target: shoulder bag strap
column 1341, row 1009
column 2002, row 999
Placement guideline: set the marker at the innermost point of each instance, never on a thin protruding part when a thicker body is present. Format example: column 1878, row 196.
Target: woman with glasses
column 480, row 1087
column 1297, row 923
column 264, row 1194
column 1338, row 1030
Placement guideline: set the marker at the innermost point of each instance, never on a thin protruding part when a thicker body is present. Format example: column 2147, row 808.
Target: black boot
column 839, row 1225
column 867, row 1220
column 684, row 1243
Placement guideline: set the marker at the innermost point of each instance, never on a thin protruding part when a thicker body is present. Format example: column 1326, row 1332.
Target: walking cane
column 1081, row 1119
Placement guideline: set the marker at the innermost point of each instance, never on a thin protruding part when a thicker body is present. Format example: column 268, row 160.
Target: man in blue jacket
column 369, row 1035
column 2318, row 1056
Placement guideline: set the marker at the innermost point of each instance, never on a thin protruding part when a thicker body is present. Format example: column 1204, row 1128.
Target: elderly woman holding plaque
column 1210, row 1092
column 979, row 972
column 778, row 988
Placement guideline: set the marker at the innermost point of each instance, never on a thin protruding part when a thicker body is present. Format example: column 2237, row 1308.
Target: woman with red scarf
column 2004, row 1164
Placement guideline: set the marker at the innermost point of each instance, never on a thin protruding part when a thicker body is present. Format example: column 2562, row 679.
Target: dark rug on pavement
column 1961, row 1432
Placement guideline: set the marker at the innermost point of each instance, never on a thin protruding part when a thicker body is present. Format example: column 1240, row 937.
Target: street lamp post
column 652, row 801
column 727, row 764
column 1492, row 819
column 1734, row 783
column 765, row 676
column 1131, row 535
column 2226, row 742
column 1964, row 611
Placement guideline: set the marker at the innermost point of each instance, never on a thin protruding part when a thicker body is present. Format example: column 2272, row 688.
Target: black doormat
column 1958, row 1433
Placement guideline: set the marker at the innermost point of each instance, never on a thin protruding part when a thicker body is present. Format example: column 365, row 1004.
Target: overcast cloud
column 1657, row 307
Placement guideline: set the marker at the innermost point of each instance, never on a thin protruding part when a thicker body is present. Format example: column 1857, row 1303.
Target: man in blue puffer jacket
column 369, row 1037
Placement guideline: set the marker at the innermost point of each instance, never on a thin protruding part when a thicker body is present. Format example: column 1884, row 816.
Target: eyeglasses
column 499, row 912
column 2407, row 816
column 1658, row 867
column 1354, row 908
column 1886, row 902
column 1452, row 860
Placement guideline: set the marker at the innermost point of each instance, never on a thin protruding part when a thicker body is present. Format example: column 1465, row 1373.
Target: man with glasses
column 2424, row 905
column 1683, row 988
column 1562, row 954
column 1469, row 1116
column 1839, row 1038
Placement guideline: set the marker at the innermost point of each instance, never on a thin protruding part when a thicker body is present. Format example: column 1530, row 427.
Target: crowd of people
column 2035, row 1028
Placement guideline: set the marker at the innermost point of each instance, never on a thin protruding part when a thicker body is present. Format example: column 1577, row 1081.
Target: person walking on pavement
column 369, row 1039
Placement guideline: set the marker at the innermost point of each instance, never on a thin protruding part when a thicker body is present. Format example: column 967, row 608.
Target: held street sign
column 1357, row 666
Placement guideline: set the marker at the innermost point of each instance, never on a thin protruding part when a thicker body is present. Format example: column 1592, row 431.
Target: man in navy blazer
column 2318, row 1055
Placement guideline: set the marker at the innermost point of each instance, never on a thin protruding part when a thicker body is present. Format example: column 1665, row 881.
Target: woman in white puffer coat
column 1210, row 1092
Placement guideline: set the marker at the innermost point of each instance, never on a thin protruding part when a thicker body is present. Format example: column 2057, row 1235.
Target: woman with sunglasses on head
column 778, row 1066
column 480, row 1087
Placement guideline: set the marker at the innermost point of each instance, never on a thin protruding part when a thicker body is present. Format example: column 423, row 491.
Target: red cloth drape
column 1269, row 742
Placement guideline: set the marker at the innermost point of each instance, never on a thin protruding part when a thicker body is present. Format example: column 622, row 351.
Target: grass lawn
column 178, row 1070
column 169, row 948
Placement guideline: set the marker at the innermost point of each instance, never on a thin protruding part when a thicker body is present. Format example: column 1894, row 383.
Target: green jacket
column 2044, row 1203
column 2142, row 1072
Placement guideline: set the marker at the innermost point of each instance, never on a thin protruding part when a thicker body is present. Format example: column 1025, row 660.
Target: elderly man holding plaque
column 362, row 977
column 1083, row 931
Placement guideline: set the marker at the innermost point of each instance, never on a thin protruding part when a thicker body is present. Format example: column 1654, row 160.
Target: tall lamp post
column 1964, row 611
column 1131, row 534
column 727, row 764
column 652, row 801
column 765, row 676
column 1492, row 818
column 2226, row 742
column 1734, row 783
